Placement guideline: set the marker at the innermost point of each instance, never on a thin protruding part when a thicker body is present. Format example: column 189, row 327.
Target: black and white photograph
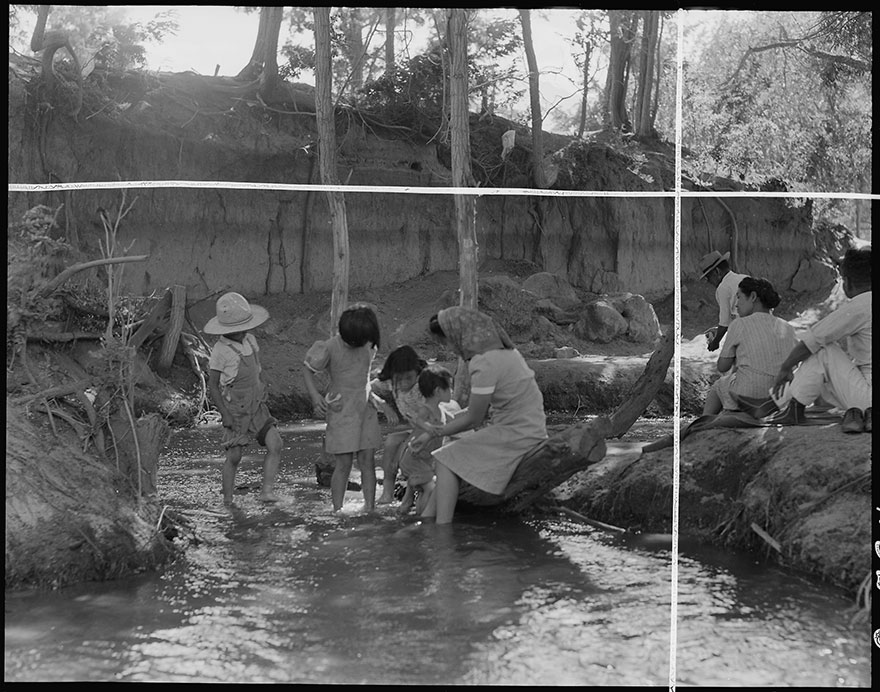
column 439, row 346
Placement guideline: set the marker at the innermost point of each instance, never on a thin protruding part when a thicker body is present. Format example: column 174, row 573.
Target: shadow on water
column 295, row 593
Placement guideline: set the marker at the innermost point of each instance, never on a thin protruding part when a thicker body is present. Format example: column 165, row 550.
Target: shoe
column 867, row 427
column 757, row 408
column 853, row 421
column 793, row 414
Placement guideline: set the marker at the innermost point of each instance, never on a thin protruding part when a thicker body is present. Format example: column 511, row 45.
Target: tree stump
column 172, row 336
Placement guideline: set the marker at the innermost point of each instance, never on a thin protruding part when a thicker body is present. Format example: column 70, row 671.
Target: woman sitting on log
column 755, row 346
column 503, row 389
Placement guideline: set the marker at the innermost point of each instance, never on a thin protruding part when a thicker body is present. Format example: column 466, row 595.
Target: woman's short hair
column 762, row 288
column 434, row 377
column 402, row 359
column 359, row 325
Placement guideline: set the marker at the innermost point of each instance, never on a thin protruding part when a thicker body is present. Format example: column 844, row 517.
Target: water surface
column 295, row 593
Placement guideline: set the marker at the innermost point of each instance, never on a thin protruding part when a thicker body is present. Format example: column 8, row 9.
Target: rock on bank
column 806, row 489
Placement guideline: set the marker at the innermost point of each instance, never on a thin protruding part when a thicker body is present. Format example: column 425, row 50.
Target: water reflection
column 295, row 593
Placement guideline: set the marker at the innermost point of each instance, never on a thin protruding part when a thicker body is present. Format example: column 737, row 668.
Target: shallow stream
column 295, row 593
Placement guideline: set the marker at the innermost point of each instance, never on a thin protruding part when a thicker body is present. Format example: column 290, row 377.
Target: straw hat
column 235, row 314
column 712, row 260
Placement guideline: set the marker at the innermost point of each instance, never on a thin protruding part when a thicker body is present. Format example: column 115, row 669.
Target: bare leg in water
column 441, row 503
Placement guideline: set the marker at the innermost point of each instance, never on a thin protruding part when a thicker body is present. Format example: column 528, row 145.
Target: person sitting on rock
column 715, row 268
column 756, row 344
column 841, row 376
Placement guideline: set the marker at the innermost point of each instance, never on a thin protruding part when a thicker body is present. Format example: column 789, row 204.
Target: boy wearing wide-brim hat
column 715, row 268
column 238, row 392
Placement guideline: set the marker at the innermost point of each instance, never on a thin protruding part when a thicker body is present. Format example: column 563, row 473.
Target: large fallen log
column 577, row 447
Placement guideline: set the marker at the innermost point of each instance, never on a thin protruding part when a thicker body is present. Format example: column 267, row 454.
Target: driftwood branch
column 53, row 285
column 645, row 388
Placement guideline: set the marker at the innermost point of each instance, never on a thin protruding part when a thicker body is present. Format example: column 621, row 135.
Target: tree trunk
column 465, row 205
column 582, row 124
column 390, row 26
column 621, row 37
column 252, row 70
column 644, row 125
column 270, row 82
column 658, row 63
column 355, row 45
column 535, row 98
column 175, row 325
column 574, row 449
column 327, row 160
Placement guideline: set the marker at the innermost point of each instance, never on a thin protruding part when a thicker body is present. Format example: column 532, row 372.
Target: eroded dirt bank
column 808, row 489
column 70, row 517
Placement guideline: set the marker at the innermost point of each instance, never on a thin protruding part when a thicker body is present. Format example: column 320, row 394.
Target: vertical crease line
column 676, row 373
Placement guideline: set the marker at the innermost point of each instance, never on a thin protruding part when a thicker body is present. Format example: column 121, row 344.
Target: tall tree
column 390, row 28
column 538, row 175
column 326, row 121
column 465, row 205
column 263, row 64
column 644, row 123
column 624, row 24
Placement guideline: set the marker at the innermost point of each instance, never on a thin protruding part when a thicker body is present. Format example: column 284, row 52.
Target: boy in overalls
column 239, row 393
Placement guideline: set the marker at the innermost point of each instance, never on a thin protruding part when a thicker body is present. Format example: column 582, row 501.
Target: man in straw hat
column 715, row 268
column 833, row 357
column 238, row 391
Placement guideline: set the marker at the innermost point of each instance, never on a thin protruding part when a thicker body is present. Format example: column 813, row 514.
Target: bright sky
column 221, row 35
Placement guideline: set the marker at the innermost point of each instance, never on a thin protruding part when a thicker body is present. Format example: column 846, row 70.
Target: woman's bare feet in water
column 269, row 496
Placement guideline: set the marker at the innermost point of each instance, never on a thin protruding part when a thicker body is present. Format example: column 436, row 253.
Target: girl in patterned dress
column 398, row 379
column 352, row 422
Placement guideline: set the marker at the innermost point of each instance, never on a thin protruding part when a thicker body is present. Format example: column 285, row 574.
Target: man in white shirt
column 715, row 268
column 833, row 358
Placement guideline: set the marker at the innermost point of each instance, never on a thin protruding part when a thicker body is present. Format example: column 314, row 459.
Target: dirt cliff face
column 263, row 241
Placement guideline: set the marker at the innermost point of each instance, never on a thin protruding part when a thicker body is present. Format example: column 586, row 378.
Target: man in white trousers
column 833, row 358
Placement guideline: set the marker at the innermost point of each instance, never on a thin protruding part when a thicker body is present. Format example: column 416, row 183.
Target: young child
column 399, row 376
column 238, row 392
column 352, row 422
column 435, row 385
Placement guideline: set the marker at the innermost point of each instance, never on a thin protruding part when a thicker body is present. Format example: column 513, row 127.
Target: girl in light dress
column 353, row 431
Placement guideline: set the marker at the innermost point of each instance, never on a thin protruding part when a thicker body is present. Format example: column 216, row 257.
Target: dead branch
column 645, row 388
column 53, row 392
column 63, row 337
column 53, row 285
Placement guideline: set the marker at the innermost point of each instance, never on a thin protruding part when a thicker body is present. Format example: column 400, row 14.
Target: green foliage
column 412, row 96
column 35, row 254
column 790, row 112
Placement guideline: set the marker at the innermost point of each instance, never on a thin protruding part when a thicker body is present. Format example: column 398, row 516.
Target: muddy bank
column 70, row 517
column 808, row 489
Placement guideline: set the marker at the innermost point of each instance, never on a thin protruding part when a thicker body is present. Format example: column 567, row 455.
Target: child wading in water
column 352, row 421
column 238, row 392
column 398, row 376
column 435, row 385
